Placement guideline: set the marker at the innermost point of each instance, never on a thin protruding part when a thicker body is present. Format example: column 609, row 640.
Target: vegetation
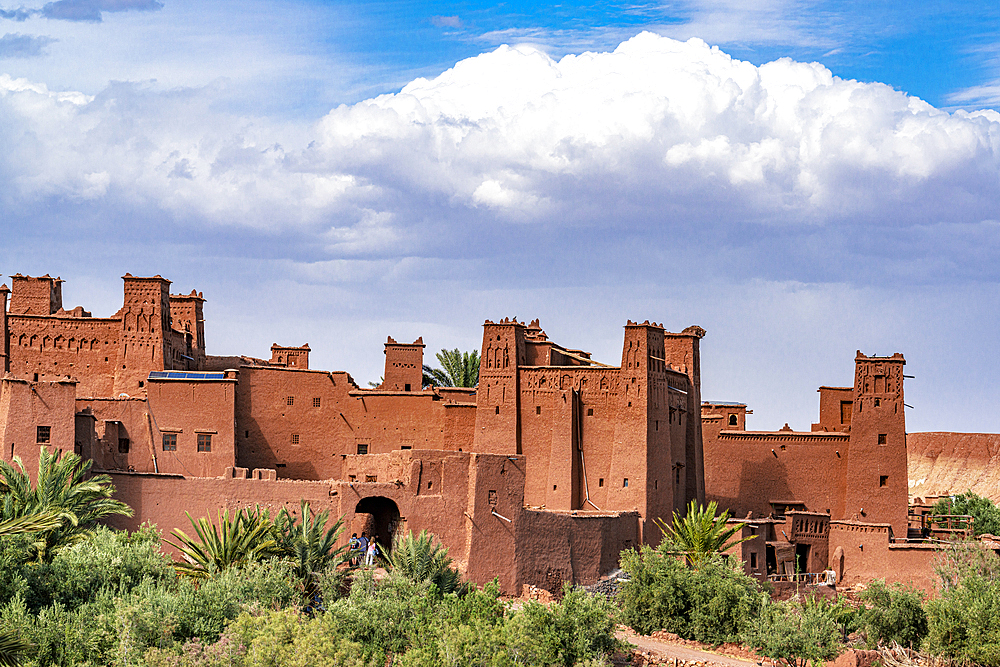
column 458, row 369
column 311, row 546
column 248, row 536
column 711, row 602
column 424, row 559
column 796, row 632
column 985, row 513
column 64, row 488
column 892, row 614
column 701, row 532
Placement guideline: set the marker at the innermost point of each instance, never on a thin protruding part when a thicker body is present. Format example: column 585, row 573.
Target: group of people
column 364, row 549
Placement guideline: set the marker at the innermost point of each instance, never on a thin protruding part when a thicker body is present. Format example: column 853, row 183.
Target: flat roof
column 186, row 375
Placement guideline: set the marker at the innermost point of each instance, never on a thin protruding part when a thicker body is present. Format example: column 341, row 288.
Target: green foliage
column 985, row 513
column 310, row 545
column 30, row 523
column 964, row 621
column 248, row 536
column 796, row 632
column 892, row 614
column 712, row 602
column 11, row 648
column 699, row 533
column 65, row 488
column 459, row 369
column 422, row 558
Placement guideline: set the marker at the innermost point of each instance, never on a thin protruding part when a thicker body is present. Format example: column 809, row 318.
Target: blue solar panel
column 185, row 375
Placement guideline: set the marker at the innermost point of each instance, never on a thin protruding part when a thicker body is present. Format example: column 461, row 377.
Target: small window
column 883, row 480
column 590, row 412
column 677, row 475
column 246, row 434
column 362, row 448
column 538, row 409
column 846, row 409
column 123, row 445
column 317, row 402
column 497, row 410
column 295, row 438
column 883, row 438
column 753, row 560
column 600, row 482
column 492, row 498
column 141, row 383
column 429, row 485
column 291, row 400
column 170, row 442
column 371, row 478
column 656, row 425
column 406, row 446
column 878, row 402
column 204, row 442
column 625, row 483
column 733, row 421
column 554, row 487
column 43, row 434
column 406, row 387
column 656, row 484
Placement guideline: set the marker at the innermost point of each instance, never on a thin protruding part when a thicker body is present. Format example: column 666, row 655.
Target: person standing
column 362, row 548
column 370, row 557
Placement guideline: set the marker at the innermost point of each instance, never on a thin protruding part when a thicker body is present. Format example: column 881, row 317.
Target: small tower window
column 883, row 480
column 43, row 434
column 590, row 412
column 290, row 400
column 883, row 438
column 317, row 402
column 362, row 448
column 625, row 483
column 733, row 421
column 406, row 387
column 538, row 409
column 497, row 410
column 295, row 438
column 600, row 482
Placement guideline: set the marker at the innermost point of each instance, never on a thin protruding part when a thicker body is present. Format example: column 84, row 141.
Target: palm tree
column 311, row 546
column 699, row 534
column 11, row 648
column 64, row 488
column 422, row 558
column 248, row 536
column 460, row 369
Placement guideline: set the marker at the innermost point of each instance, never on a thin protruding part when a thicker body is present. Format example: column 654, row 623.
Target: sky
column 803, row 180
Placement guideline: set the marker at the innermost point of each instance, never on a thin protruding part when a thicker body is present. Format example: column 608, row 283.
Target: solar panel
column 185, row 375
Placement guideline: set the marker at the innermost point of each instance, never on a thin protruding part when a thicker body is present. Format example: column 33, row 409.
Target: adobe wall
column 85, row 348
column 941, row 464
column 24, row 406
column 404, row 366
column 860, row 552
column 579, row 547
column 836, row 405
column 345, row 421
column 746, row 470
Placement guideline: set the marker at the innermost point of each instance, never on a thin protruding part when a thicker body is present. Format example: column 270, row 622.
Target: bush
column 796, row 632
column 984, row 511
column 892, row 614
column 964, row 622
column 710, row 603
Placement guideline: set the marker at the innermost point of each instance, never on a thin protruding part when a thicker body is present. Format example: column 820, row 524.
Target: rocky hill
column 944, row 463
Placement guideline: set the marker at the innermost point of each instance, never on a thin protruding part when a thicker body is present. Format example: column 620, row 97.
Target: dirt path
column 684, row 653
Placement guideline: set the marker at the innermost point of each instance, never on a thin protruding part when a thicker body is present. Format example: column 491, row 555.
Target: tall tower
column 682, row 352
column 145, row 317
column 404, row 366
column 498, row 426
column 187, row 316
column 4, row 333
column 35, row 296
column 876, row 489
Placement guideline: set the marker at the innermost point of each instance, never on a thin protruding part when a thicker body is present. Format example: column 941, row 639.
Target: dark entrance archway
column 384, row 519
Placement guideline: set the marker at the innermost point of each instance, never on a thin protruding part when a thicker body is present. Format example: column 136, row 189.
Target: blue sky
column 801, row 179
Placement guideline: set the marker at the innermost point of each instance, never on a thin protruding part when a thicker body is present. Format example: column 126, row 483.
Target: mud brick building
column 541, row 474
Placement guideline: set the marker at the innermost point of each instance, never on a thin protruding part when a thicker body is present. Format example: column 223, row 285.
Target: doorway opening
column 379, row 517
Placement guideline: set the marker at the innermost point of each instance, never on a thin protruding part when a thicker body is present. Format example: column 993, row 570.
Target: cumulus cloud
column 16, row 45
column 657, row 140
column 80, row 10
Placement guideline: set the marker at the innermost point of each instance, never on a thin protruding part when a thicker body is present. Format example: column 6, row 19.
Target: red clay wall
column 861, row 552
column 835, row 409
column 745, row 471
column 24, row 406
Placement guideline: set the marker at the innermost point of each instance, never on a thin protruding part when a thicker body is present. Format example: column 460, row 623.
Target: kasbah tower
column 541, row 474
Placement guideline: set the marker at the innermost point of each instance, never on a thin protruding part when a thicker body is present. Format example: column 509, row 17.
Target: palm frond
column 30, row 523
column 458, row 369
column 11, row 648
column 246, row 536
column 423, row 558
column 699, row 533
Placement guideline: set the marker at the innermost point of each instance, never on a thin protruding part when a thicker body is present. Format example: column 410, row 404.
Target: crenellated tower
column 404, row 366
column 35, row 296
column 876, row 481
column 187, row 316
column 498, row 396
column 682, row 353
column 145, row 317
column 4, row 332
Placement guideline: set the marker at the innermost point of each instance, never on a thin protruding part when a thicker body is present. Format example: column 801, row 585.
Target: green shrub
column 964, row 622
column 984, row 511
column 796, row 632
column 711, row 603
column 892, row 614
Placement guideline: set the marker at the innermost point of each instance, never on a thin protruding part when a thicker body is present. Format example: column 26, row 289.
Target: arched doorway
column 382, row 519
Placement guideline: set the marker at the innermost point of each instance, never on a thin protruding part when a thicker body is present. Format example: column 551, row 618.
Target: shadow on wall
column 760, row 482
